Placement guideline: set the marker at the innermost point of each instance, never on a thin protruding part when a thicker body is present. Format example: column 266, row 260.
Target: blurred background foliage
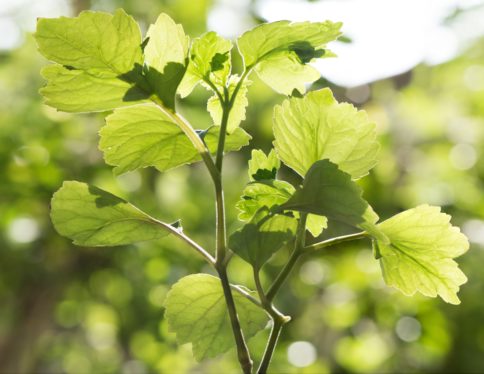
column 99, row 310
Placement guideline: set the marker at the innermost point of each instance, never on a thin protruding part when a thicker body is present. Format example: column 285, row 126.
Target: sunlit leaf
column 209, row 60
column 280, row 51
column 142, row 135
column 419, row 257
column 316, row 127
column 262, row 166
column 197, row 312
column 93, row 217
column 166, row 54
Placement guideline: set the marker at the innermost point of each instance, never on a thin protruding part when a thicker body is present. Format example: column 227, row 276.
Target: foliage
column 327, row 143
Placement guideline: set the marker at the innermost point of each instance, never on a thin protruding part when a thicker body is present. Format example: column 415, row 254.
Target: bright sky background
column 389, row 37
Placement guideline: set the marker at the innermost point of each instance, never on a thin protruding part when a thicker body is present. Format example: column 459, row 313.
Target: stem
column 242, row 349
column 340, row 239
column 298, row 250
column 278, row 320
column 271, row 346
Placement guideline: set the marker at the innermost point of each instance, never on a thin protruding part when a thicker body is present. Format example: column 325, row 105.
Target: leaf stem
column 242, row 349
column 298, row 250
column 329, row 242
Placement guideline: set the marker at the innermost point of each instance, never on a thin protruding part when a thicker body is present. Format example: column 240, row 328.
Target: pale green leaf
column 91, row 41
column 142, row 135
column 93, row 217
column 264, row 235
column 102, row 59
column 197, row 312
column 262, row 166
column 81, row 91
column 316, row 127
column 209, row 60
column 419, row 258
column 237, row 113
column 264, row 193
column 166, row 54
column 330, row 192
column 279, row 51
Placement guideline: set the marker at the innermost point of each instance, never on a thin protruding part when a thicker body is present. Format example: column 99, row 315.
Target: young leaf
column 264, row 235
column 196, row 311
column 142, row 135
column 237, row 113
column 166, row 53
column 316, row 126
column 99, row 53
column 263, row 167
column 264, row 193
column 209, row 60
column 419, row 258
column 93, row 217
column 279, row 52
column 330, row 192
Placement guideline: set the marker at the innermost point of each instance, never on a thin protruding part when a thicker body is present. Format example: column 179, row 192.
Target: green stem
column 242, row 349
column 340, row 239
column 278, row 320
column 271, row 346
column 298, row 250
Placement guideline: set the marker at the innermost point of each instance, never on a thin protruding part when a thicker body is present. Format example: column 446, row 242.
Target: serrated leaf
column 419, row 258
column 93, row 217
column 142, row 136
column 92, row 41
column 166, row 53
column 80, row 91
column 316, row 127
column 279, row 51
column 237, row 113
column 209, row 60
column 330, row 192
column 263, row 167
column 102, row 57
column 197, row 312
column 263, row 193
column 264, row 235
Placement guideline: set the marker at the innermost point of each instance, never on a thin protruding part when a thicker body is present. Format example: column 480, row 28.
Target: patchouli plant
column 103, row 63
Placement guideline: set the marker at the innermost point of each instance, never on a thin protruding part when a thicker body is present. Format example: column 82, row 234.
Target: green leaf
column 264, row 235
column 264, row 193
column 80, row 91
column 101, row 57
column 419, row 258
column 263, row 167
column 209, row 60
column 279, row 51
column 166, row 54
column 196, row 311
column 316, row 224
column 142, row 135
column 316, row 127
column 237, row 113
column 93, row 217
column 92, row 41
column 330, row 192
